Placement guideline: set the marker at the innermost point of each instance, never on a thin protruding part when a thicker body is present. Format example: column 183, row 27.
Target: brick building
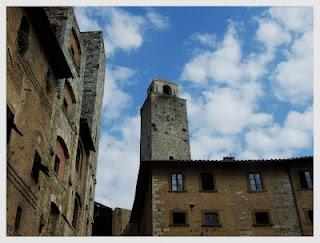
column 55, row 79
column 179, row 196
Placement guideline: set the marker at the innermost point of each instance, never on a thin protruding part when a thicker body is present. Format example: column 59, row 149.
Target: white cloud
column 205, row 39
column 225, row 64
column 157, row 20
column 298, row 19
column 85, row 22
column 293, row 78
column 115, row 100
column 272, row 35
column 118, row 164
column 277, row 141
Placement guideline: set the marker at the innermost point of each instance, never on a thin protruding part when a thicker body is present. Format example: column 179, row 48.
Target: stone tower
column 164, row 124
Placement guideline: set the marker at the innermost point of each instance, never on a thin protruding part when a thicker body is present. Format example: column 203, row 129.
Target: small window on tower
column 167, row 90
column 17, row 219
column 261, row 218
column 306, row 179
column 57, row 165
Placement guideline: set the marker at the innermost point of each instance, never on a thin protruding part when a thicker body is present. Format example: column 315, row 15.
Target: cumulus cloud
column 226, row 116
column 157, row 20
column 118, row 164
column 225, row 64
column 278, row 141
column 122, row 30
column 115, row 100
column 205, row 39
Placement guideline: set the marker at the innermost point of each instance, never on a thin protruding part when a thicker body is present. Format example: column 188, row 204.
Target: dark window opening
column 177, row 182
column 178, row 218
column 23, row 35
column 17, row 219
column 56, row 164
column 10, row 124
column 41, row 223
column 262, row 218
column 171, row 157
column 306, row 179
column 79, row 158
column 53, row 219
column 167, row 89
column 207, row 181
column 36, row 167
column 76, row 212
column 48, row 81
column 65, row 105
column 211, row 219
column 310, row 216
column 255, row 181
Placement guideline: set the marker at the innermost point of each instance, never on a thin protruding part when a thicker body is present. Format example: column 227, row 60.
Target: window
column 61, row 160
column 23, row 35
column 53, row 218
column 75, row 49
column 210, row 219
column 262, row 218
column 79, row 158
column 171, row 158
column 207, row 181
column 255, row 181
column 17, row 219
column 310, row 216
column 179, row 218
column 36, row 166
column 306, row 179
column 167, row 90
column 65, row 105
column 10, row 124
column 57, row 165
column 76, row 211
column 177, row 182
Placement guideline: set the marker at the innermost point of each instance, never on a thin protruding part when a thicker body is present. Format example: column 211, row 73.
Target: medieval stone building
column 179, row 196
column 55, row 79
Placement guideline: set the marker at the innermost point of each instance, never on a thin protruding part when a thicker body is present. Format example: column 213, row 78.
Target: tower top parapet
column 161, row 86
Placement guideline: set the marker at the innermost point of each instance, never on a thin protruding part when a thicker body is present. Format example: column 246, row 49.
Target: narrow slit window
column 310, row 216
column 306, row 179
column 36, row 167
column 57, row 165
column 17, row 219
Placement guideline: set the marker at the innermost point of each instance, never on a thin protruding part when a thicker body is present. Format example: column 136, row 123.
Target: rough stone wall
column 94, row 77
column 304, row 199
column 39, row 115
column 232, row 199
column 168, row 134
column 120, row 219
column 31, row 102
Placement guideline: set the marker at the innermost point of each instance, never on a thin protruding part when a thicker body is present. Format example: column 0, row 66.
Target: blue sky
column 246, row 72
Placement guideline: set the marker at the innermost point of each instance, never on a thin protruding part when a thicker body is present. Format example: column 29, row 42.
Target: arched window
column 68, row 103
column 53, row 218
column 167, row 89
column 76, row 211
column 79, row 158
column 17, row 219
column 61, row 158
column 75, row 49
column 23, row 35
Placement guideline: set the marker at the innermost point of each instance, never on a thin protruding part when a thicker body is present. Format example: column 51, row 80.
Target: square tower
column 164, row 124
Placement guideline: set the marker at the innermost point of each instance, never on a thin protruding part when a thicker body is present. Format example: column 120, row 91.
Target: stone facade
column 245, row 197
column 54, row 101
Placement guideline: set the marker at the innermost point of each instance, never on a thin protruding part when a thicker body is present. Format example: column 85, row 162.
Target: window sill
column 179, row 225
column 178, row 191
column 209, row 191
column 257, row 191
column 261, row 225
column 211, row 226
